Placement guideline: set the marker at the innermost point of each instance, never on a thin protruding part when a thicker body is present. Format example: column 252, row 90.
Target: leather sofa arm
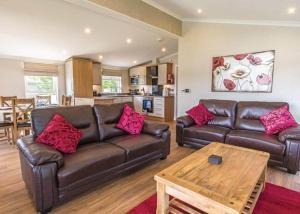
column 39, row 154
column 290, row 134
column 186, row 121
column 156, row 129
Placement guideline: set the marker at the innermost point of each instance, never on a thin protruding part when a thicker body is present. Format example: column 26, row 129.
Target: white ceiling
column 254, row 10
column 46, row 29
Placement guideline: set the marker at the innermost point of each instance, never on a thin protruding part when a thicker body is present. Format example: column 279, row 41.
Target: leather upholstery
column 136, row 146
column 245, row 130
column 107, row 118
column 88, row 160
column 290, row 134
column 256, row 140
column 206, row 132
column 81, row 117
column 155, row 129
column 52, row 177
column 186, row 121
column 249, row 112
column 38, row 154
column 224, row 110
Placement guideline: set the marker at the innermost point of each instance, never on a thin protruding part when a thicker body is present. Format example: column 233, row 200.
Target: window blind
column 40, row 69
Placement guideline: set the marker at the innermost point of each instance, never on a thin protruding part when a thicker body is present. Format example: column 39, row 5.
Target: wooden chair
column 22, row 116
column 66, row 100
column 43, row 100
column 6, row 101
column 7, row 124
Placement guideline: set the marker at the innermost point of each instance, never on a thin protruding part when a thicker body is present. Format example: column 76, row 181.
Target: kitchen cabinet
column 79, row 77
column 138, row 103
column 105, row 100
column 159, row 107
column 97, row 74
column 165, row 74
column 139, row 72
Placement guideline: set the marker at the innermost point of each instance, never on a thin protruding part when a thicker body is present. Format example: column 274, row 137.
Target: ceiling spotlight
column 163, row 49
column 87, row 30
column 291, row 10
column 100, row 57
column 199, row 11
column 134, row 62
column 128, row 40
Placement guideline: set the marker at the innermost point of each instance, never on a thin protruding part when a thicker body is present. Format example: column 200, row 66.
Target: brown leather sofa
column 238, row 123
column 104, row 152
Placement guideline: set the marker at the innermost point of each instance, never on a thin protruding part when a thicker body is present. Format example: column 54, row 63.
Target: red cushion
column 130, row 121
column 200, row 114
column 61, row 135
column 278, row 120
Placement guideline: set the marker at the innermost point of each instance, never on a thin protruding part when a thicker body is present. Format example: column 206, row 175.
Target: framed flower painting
column 252, row 72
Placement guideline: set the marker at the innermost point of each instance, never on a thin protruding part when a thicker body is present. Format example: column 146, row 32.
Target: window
column 111, row 84
column 42, row 85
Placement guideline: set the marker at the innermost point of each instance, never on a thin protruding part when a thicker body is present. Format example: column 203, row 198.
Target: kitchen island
column 162, row 106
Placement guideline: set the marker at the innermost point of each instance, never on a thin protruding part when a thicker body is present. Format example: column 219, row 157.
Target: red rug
column 274, row 200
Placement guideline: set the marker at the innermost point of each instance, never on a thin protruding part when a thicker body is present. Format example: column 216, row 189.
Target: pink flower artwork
column 263, row 79
column 229, row 84
column 254, row 60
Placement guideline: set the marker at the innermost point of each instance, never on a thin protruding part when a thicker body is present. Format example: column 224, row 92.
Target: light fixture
column 64, row 52
column 199, row 11
column 100, row 57
column 128, row 40
column 87, row 30
column 291, row 10
column 163, row 49
column 134, row 62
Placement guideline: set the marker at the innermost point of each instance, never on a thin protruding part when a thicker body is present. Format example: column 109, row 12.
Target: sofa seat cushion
column 206, row 132
column 256, row 140
column 89, row 160
column 137, row 146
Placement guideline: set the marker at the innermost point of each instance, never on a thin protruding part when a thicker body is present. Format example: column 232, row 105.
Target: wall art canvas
column 251, row 72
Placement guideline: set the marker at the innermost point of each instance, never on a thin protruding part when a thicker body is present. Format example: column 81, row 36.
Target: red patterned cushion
column 61, row 135
column 200, row 114
column 278, row 120
column 130, row 121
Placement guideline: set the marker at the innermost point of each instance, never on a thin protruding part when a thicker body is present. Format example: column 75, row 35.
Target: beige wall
column 202, row 41
column 12, row 78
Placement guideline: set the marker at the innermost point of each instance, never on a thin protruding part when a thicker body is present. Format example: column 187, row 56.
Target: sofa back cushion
column 81, row 117
column 224, row 111
column 107, row 118
column 248, row 114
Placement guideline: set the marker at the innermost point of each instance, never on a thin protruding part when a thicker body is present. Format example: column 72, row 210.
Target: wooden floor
column 117, row 196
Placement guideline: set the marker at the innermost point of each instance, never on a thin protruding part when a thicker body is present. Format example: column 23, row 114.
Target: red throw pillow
column 130, row 121
column 200, row 114
column 60, row 135
column 278, row 120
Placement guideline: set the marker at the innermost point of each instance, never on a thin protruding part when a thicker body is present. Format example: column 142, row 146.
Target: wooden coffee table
column 231, row 187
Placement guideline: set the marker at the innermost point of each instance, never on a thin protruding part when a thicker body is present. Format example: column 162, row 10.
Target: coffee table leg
column 162, row 199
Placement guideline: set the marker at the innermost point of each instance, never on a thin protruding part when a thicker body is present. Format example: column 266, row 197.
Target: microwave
column 134, row 80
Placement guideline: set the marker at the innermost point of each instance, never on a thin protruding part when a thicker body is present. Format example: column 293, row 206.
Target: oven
column 148, row 105
column 134, row 80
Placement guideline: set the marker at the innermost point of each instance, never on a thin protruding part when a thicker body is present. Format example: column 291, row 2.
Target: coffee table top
column 229, row 184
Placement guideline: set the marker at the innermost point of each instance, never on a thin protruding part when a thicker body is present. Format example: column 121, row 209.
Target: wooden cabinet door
column 83, row 77
column 162, row 74
column 97, row 74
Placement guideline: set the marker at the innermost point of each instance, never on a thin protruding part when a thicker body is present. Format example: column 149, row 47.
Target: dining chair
column 6, row 123
column 66, row 100
column 22, row 116
column 43, row 100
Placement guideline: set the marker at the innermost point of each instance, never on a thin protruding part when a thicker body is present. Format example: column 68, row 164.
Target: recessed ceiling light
column 64, row 52
column 199, row 11
column 291, row 10
column 134, row 62
column 87, row 30
column 128, row 40
column 163, row 49
column 100, row 57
